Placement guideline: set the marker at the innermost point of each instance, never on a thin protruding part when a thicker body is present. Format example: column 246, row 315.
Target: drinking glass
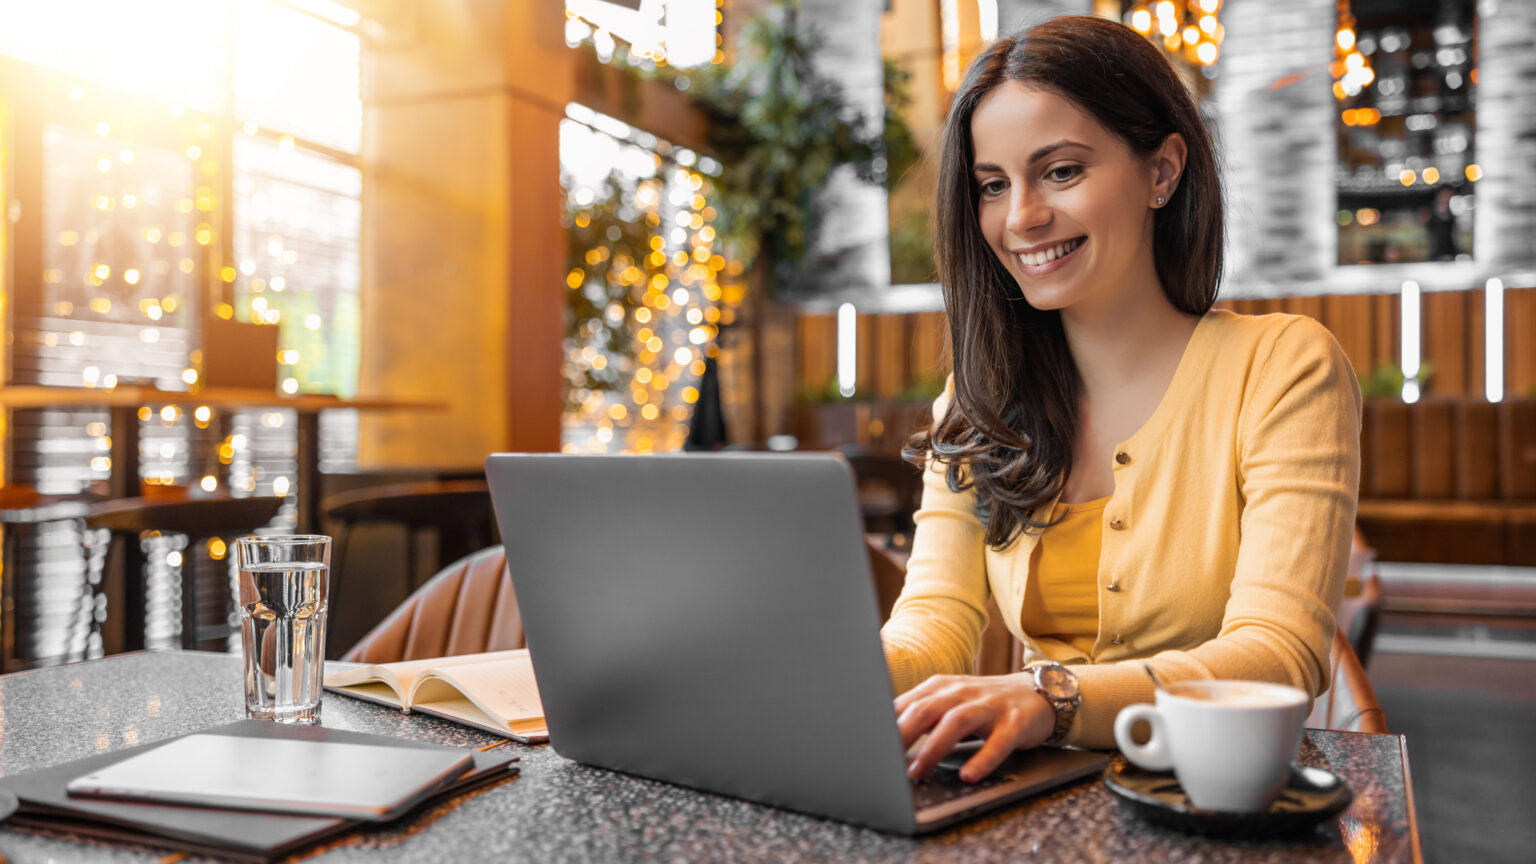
column 283, row 585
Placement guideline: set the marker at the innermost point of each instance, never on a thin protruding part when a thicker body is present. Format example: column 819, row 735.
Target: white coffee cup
column 1230, row 743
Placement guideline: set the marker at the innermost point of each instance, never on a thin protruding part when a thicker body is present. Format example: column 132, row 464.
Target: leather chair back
column 1350, row 704
column 467, row 608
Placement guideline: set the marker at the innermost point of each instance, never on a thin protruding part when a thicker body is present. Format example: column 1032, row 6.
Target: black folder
column 242, row 834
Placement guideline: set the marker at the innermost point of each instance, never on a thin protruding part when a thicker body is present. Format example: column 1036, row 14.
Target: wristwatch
column 1059, row 687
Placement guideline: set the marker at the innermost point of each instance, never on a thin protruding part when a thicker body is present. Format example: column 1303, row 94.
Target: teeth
column 1049, row 255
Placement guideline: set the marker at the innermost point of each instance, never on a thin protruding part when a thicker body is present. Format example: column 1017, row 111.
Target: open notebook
column 495, row 691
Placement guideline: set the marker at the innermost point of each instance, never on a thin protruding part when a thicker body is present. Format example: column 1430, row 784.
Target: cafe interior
column 276, row 267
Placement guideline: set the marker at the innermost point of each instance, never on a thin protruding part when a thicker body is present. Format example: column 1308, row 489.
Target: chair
column 469, row 607
column 23, row 514
column 1360, row 615
column 199, row 519
column 1350, row 704
column 460, row 510
column 888, row 490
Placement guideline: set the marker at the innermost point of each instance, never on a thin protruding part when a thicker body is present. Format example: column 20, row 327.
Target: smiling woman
column 1134, row 479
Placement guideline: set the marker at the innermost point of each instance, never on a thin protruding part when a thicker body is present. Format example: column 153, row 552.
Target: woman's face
column 1065, row 204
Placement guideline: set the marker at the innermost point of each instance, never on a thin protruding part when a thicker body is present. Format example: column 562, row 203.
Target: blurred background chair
column 26, row 517
column 459, row 511
column 200, row 519
column 889, row 491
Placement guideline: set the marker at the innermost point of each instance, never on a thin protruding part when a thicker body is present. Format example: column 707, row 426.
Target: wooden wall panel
column 1386, row 328
column 817, row 350
column 868, row 353
column 1445, row 340
column 1349, row 317
column 1520, row 342
column 914, row 347
column 1312, row 307
column 1476, row 344
column 1431, row 430
column 1517, row 449
column 1387, row 440
column 1476, row 449
column 893, row 353
column 930, row 346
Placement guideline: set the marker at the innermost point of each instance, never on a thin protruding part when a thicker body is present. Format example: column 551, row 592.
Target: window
column 173, row 159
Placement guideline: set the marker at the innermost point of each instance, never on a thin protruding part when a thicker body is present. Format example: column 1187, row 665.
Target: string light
column 1190, row 29
column 643, row 244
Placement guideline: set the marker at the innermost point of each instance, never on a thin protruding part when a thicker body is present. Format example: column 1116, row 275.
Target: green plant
column 780, row 128
column 923, row 389
column 1387, row 380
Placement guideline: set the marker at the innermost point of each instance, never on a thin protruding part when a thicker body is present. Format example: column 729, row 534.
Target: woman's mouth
column 1041, row 263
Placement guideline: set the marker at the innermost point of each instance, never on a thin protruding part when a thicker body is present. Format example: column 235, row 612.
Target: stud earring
column 1160, row 200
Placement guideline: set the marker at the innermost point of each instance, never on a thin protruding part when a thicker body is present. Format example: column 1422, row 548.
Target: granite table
column 559, row 811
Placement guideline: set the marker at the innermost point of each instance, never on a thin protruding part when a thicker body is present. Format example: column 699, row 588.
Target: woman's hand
column 1005, row 709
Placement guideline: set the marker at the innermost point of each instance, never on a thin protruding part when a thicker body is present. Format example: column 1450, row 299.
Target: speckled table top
column 558, row 811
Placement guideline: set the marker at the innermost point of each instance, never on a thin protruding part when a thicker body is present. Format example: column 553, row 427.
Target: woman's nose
column 1027, row 210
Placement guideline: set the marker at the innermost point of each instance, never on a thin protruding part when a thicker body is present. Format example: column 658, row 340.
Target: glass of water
column 284, row 582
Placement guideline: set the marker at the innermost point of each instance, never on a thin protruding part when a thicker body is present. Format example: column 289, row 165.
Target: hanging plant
column 780, row 128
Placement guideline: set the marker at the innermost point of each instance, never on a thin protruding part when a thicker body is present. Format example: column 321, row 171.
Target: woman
column 1134, row 478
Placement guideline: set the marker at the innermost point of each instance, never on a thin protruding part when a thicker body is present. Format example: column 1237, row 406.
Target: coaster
column 1311, row 796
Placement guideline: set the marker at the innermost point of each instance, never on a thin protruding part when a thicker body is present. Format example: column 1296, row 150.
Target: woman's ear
column 1168, row 167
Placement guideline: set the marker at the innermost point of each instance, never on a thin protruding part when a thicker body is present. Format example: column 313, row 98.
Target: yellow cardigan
column 1227, row 535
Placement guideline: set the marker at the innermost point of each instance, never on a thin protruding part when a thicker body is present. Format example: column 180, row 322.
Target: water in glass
column 282, row 618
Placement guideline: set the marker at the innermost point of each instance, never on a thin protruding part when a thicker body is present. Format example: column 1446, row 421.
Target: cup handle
column 1153, row 755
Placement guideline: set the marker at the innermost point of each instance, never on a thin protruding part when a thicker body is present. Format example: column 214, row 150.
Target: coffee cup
column 1230, row 743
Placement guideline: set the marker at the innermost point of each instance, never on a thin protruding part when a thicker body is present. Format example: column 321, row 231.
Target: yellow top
column 1228, row 533
column 1061, row 599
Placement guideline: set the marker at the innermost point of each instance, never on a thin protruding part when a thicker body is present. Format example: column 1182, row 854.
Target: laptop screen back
column 709, row 621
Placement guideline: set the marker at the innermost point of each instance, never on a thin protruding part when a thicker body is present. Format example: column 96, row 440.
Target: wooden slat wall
column 896, row 350
column 1520, row 341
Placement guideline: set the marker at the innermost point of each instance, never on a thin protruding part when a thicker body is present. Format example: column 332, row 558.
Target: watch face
column 1057, row 682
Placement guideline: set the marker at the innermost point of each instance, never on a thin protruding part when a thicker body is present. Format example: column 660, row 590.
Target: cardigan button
column 1117, row 640
column 1116, row 525
column 1112, row 587
column 1123, row 458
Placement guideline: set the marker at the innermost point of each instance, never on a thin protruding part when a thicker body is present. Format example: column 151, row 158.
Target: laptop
column 710, row 621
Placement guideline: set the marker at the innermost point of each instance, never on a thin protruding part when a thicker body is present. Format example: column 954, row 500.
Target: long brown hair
column 1010, row 427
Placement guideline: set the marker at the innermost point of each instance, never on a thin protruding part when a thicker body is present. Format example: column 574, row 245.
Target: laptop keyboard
column 944, row 784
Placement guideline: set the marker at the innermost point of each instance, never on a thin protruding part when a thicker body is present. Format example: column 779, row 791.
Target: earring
column 1160, row 200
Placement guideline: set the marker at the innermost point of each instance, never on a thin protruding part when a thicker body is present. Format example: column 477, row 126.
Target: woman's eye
column 992, row 187
column 1064, row 173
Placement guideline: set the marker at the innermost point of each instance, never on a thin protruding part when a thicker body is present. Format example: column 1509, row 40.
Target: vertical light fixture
column 988, row 20
column 1493, row 340
column 949, row 37
column 1410, row 341
column 847, row 349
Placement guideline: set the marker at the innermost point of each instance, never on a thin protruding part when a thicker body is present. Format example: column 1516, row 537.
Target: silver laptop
column 710, row 621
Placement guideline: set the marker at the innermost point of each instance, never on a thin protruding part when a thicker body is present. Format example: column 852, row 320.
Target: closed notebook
column 362, row 780
column 495, row 692
column 238, row 834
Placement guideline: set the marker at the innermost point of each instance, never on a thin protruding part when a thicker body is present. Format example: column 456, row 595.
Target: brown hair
column 1014, row 416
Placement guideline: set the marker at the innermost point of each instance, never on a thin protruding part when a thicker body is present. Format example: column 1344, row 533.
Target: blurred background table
column 125, row 401
column 558, row 810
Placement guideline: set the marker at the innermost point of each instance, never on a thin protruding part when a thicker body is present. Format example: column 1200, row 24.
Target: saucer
column 1312, row 795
